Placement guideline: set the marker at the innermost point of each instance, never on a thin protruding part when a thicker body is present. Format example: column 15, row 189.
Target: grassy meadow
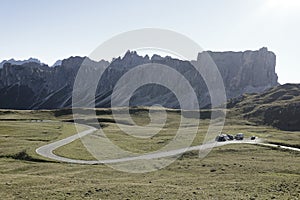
column 237, row 171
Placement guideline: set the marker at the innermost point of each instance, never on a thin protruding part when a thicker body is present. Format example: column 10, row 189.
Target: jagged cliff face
column 37, row 86
column 246, row 72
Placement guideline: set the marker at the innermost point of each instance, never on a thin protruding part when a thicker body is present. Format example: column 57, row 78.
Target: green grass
column 140, row 145
column 228, row 172
column 26, row 136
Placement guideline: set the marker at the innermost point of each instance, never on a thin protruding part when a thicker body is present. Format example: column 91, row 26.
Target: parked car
column 253, row 138
column 239, row 136
column 221, row 138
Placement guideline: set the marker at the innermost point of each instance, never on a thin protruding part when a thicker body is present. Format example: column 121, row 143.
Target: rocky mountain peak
column 245, row 72
column 73, row 61
column 20, row 62
column 156, row 57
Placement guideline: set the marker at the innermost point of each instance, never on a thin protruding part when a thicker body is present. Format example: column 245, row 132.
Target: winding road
column 47, row 150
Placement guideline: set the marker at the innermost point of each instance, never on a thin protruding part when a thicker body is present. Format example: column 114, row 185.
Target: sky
column 58, row 29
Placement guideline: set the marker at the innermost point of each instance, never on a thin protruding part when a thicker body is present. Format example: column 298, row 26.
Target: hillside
column 278, row 107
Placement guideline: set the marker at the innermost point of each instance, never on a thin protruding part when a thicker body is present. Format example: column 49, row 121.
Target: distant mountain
column 20, row 62
column 278, row 107
column 57, row 63
column 32, row 85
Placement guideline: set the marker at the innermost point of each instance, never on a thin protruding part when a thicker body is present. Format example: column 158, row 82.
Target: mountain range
column 33, row 85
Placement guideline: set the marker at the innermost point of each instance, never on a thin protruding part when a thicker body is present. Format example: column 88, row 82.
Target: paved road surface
column 47, row 150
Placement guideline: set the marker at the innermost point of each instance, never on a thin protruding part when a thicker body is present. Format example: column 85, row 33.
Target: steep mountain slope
column 278, row 107
column 37, row 86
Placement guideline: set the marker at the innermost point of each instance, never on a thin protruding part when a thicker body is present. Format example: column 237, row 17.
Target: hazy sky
column 56, row 29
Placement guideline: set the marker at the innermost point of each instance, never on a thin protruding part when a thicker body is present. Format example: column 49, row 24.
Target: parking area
column 227, row 137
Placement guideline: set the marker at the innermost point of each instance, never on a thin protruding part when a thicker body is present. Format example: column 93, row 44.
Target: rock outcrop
column 246, row 72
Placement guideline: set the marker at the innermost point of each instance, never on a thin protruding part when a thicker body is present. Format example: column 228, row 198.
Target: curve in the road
column 47, row 150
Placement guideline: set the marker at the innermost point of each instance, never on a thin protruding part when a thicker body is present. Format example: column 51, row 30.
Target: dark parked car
column 239, row 136
column 253, row 138
column 220, row 138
